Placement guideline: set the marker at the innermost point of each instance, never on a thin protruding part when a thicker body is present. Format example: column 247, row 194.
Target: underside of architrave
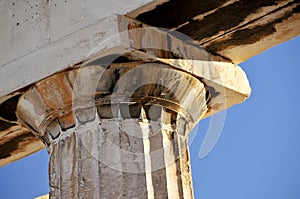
column 235, row 29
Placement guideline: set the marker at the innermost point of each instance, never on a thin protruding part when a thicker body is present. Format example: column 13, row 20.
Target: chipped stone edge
column 43, row 197
column 227, row 82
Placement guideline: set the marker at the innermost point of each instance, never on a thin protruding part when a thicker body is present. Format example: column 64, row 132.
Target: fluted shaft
column 117, row 132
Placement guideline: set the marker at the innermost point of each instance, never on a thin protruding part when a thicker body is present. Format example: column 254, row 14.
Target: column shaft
column 116, row 132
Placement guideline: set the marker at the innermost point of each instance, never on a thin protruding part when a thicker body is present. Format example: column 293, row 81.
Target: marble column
column 116, row 131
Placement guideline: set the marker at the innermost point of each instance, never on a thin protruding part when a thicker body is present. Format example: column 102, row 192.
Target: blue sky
column 258, row 153
column 256, row 157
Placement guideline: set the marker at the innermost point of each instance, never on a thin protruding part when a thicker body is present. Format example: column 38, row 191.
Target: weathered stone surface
column 54, row 43
column 28, row 26
column 233, row 29
column 247, row 29
column 227, row 83
column 16, row 142
column 108, row 156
